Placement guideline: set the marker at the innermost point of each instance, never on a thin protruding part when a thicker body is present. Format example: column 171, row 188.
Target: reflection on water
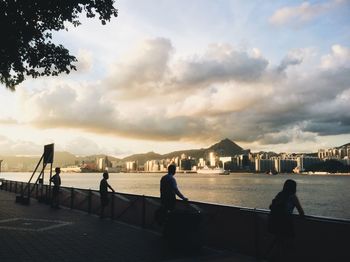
column 319, row 195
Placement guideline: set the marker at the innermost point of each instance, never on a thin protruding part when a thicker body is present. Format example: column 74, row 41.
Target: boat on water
column 71, row 169
column 207, row 170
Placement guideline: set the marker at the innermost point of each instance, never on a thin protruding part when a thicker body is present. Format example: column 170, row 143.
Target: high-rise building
column 304, row 162
column 284, row 165
column 131, row 166
column 264, row 165
column 212, row 159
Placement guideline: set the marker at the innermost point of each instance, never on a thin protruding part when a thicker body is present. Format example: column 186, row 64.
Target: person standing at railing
column 56, row 180
column 104, row 192
column 169, row 190
column 280, row 222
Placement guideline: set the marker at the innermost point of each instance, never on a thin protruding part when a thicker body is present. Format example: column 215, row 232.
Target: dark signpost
column 46, row 158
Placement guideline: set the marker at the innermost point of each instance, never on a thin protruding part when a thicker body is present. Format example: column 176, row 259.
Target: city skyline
column 182, row 75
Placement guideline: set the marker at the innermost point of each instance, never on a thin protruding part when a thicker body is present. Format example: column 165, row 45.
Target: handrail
column 121, row 196
column 309, row 217
column 228, row 227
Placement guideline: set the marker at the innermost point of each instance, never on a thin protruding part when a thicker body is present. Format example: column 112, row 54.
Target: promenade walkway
column 39, row 233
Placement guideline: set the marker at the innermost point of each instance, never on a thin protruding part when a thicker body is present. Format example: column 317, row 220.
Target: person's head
column 290, row 187
column 57, row 170
column 105, row 175
column 172, row 169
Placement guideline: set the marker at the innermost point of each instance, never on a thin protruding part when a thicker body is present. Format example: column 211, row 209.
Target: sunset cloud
column 303, row 13
column 159, row 79
column 223, row 88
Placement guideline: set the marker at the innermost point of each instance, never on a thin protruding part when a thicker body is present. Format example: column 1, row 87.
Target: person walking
column 56, row 180
column 280, row 222
column 104, row 192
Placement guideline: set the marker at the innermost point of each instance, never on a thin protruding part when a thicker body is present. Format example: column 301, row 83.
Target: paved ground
column 39, row 233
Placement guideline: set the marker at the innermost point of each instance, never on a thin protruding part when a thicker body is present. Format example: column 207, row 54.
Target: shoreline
column 195, row 173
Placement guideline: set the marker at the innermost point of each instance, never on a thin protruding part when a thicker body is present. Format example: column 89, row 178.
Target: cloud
column 289, row 60
column 302, row 13
column 286, row 136
column 222, row 92
column 83, row 146
column 153, row 70
column 8, row 121
column 18, row 147
column 144, row 69
column 85, row 61
column 221, row 63
column 340, row 57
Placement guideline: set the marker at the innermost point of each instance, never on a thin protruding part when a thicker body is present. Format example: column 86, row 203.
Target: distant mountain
column 225, row 147
column 93, row 158
column 142, row 158
column 346, row 145
column 64, row 158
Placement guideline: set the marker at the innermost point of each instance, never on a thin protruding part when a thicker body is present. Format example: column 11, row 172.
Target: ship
column 71, row 169
column 207, row 170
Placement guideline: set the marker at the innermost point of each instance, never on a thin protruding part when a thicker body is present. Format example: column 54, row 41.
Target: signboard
column 48, row 154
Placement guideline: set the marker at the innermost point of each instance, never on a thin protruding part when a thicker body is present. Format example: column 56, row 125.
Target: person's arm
column 110, row 188
column 298, row 206
column 177, row 191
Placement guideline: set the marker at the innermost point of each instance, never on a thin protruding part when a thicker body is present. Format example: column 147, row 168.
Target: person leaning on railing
column 56, row 180
column 104, row 192
column 169, row 189
column 168, row 192
column 280, row 222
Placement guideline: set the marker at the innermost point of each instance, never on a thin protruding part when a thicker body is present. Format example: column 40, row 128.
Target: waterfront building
column 176, row 161
column 148, row 166
column 243, row 161
column 201, row 162
column 212, row 159
column 131, row 166
column 187, row 164
column 322, row 153
column 285, row 165
column 101, row 164
column 304, row 162
column 345, row 161
column 264, row 165
column 224, row 160
column 334, row 153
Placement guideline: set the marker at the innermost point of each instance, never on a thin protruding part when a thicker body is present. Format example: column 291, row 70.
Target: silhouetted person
column 56, row 180
column 169, row 190
column 104, row 192
column 281, row 221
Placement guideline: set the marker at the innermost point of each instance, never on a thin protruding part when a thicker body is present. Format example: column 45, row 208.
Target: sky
column 173, row 74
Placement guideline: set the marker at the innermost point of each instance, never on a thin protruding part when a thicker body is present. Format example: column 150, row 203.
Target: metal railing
column 228, row 227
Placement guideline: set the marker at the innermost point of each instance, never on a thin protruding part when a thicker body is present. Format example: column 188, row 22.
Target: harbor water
column 325, row 195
